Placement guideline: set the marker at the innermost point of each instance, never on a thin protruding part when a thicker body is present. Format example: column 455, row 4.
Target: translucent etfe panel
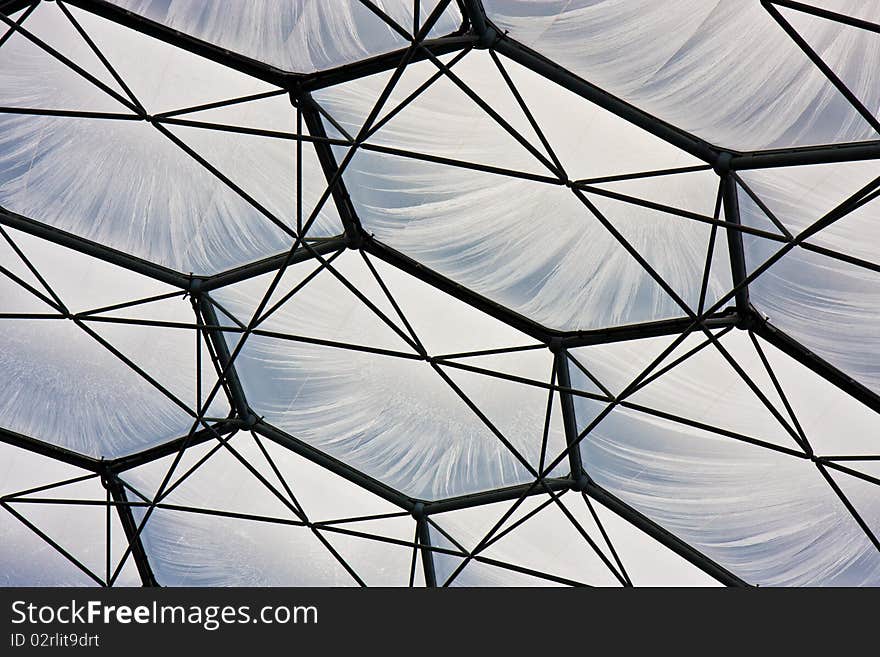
column 834, row 422
column 704, row 387
column 512, row 232
column 328, row 369
column 860, row 482
column 761, row 510
column 64, row 384
column 848, row 50
column 117, row 181
column 192, row 540
column 798, row 197
column 297, row 35
column 572, row 540
column 829, row 301
column 726, row 72
column 79, row 528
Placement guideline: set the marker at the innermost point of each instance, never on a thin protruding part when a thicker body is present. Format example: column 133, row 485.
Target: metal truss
column 224, row 335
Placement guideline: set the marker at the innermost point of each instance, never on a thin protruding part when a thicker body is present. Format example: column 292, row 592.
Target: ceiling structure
column 439, row 293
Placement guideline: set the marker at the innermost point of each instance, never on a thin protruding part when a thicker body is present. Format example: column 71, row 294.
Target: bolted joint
column 488, row 38
column 580, row 484
column 722, row 163
column 746, row 322
column 298, row 98
column 195, row 285
column 354, row 240
column 555, row 345
column 418, row 511
column 750, row 320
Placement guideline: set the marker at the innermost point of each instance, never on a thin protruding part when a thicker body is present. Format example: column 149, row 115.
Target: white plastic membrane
column 297, row 35
column 532, row 246
column 767, row 515
column 726, row 72
column 65, row 384
column 392, row 415
column 118, row 182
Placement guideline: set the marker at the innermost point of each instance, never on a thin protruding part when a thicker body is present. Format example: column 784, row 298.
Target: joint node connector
column 354, row 240
column 108, row 479
column 555, row 345
column 251, row 420
column 296, row 95
column 195, row 285
column 580, row 484
column 487, row 38
column 418, row 511
column 722, row 164
column 750, row 320
column 746, row 323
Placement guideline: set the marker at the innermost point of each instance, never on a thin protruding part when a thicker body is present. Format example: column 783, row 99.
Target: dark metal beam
column 663, row 536
column 792, row 157
column 842, row 88
column 226, row 368
column 475, row 15
column 88, row 247
column 427, row 554
column 521, row 54
column 334, row 465
column 385, row 62
column 290, row 80
column 321, row 246
column 423, row 273
column 735, row 239
column 315, row 125
column 565, row 339
column 129, row 526
column 675, row 326
column 217, row 54
column 788, row 345
column 569, row 419
column 610, row 501
column 852, row 21
column 48, row 449
column 11, row 6
column 495, row 495
column 123, row 463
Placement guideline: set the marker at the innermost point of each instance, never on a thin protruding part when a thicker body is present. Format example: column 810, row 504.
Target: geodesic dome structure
column 402, row 292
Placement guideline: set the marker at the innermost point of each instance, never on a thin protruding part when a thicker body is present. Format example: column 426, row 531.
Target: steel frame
column 477, row 31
